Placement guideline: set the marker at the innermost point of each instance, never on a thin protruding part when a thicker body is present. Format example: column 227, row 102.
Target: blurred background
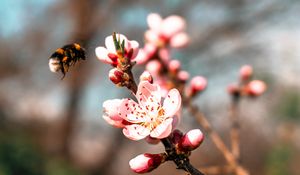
column 51, row 126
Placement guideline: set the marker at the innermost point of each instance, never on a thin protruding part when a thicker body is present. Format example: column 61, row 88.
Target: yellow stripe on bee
column 77, row 46
column 60, row 51
column 65, row 59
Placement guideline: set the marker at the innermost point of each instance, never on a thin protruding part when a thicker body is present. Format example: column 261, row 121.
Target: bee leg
column 63, row 71
column 63, row 76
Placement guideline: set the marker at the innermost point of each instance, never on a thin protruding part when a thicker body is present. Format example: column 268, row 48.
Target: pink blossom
column 110, row 55
column 149, row 116
column 145, row 162
column 164, row 85
column 111, row 115
column 163, row 31
column 192, row 140
column 145, row 53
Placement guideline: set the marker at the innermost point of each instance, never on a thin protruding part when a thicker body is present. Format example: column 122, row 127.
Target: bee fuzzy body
column 65, row 57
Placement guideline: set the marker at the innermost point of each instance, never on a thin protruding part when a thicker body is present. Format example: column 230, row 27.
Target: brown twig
column 216, row 139
column 235, row 129
column 227, row 169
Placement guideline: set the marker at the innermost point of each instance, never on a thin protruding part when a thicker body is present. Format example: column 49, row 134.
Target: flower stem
column 181, row 160
column 235, row 128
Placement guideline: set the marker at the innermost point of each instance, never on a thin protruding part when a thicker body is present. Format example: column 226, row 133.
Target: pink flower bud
column 183, row 75
column 145, row 162
column 116, row 75
column 154, row 67
column 176, row 136
column 191, row 140
column 174, row 66
column 197, row 85
column 256, row 88
column 146, row 76
column 179, row 40
column 246, row 72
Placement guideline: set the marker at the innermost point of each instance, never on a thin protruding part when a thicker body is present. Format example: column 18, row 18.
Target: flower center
column 154, row 119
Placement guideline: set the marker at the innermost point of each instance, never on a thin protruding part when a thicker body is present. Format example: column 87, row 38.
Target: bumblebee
column 65, row 57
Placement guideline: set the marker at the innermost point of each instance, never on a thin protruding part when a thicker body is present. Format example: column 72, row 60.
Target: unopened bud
column 191, row 140
column 154, row 67
column 146, row 76
column 145, row 163
column 116, row 76
column 176, row 136
column 197, row 85
column 183, row 75
column 256, row 87
column 174, row 66
column 246, row 72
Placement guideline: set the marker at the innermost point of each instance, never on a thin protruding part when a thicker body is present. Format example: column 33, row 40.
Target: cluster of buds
column 183, row 145
column 161, row 34
column 120, row 53
column 167, row 72
column 247, row 86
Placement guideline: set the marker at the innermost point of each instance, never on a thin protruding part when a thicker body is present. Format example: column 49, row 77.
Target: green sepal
column 116, row 42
